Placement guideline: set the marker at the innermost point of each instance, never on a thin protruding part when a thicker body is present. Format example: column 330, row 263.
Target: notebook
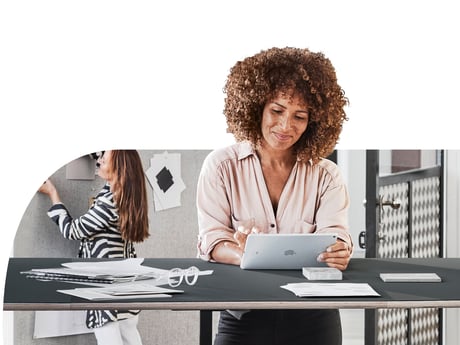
column 285, row 251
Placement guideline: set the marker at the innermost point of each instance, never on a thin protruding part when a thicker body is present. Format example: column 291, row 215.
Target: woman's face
column 284, row 119
column 105, row 165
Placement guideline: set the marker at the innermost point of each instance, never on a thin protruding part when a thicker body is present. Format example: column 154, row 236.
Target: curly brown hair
column 258, row 79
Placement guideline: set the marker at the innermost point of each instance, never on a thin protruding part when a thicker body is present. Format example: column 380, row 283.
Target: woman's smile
column 282, row 137
column 284, row 120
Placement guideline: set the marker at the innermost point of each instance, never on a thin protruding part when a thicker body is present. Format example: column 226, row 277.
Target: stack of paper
column 111, row 280
column 106, row 272
column 121, row 291
column 330, row 289
column 68, row 275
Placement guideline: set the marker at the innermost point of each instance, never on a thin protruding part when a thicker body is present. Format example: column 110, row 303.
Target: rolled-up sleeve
column 97, row 219
column 213, row 207
column 332, row 210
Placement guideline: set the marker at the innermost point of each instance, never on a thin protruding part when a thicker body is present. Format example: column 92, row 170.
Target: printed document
column 330, row 289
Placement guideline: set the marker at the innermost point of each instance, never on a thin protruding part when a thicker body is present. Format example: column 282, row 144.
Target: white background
column 81, row 76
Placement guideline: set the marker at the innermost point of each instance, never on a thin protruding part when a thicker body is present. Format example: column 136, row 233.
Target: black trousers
column 281, row 327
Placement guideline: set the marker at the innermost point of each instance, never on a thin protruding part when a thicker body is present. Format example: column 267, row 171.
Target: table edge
column 233, row 305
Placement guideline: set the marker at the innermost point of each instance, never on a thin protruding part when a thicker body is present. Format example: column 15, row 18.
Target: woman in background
column 117, row 218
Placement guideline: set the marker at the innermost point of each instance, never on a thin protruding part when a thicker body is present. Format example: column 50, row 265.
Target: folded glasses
column 177, row 275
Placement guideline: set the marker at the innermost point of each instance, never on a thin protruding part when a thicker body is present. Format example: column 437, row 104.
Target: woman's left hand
column 338, row 255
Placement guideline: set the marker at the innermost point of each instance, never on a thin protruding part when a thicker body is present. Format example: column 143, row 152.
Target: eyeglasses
column 100, row 159
column 177, row 275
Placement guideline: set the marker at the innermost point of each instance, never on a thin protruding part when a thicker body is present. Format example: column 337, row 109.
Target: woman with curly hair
column 285, row 110
column 117, row 218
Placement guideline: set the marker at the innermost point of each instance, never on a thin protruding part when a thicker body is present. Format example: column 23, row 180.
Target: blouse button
column 272, row 225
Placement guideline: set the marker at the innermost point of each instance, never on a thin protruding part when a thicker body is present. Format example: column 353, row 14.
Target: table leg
column 205, row 327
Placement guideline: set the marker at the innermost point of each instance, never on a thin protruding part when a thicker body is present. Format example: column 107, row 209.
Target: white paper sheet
column 330, row 289
column 165, row 178
column 131, row 267
column 121, row 291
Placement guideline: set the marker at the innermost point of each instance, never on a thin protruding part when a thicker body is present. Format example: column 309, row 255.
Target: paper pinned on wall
column 164, row 176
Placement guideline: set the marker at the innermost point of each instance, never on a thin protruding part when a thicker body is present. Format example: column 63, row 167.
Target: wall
column 452, row 238
column 173, row 234
column 352, row 164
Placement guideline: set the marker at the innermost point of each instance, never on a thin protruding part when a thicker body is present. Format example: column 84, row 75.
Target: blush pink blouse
column 231, row 191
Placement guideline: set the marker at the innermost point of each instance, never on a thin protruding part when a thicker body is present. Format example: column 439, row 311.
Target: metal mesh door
column 412, row 230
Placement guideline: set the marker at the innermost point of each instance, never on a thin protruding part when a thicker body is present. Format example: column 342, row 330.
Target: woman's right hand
column 49, row 189
column 241, row 235
column 229, row 252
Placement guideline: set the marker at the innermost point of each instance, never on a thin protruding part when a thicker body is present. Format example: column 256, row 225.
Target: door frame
column 374, row 181
column 372, row 214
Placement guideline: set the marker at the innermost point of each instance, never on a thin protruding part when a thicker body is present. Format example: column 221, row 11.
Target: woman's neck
column 276, row 158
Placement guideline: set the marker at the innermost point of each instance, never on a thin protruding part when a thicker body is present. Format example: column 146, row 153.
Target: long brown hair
column 130, row 194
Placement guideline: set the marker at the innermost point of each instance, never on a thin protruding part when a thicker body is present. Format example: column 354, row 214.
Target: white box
column 322, row 273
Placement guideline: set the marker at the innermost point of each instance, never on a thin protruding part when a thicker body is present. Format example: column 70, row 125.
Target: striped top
column 99, row 236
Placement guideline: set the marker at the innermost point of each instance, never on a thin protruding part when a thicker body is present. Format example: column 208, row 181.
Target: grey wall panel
column 173, row 234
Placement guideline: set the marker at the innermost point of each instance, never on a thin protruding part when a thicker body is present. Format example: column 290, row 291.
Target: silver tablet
column 285, row 251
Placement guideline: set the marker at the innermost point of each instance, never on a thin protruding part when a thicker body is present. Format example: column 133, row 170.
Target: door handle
column 394, row 204
column 362, row 240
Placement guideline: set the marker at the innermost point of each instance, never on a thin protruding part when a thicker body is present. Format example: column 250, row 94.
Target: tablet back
column 285, row 251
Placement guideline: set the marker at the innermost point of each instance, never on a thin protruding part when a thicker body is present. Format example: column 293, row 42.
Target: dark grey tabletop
column 229, row 287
